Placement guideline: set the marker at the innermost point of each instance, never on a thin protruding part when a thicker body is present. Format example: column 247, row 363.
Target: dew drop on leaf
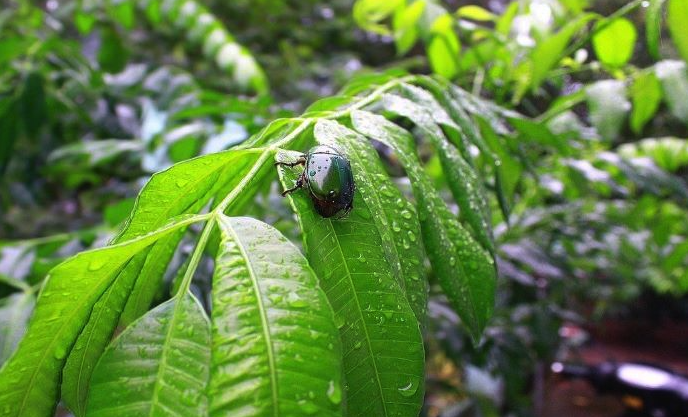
column 307, row 407
column 181, row 182
column 96, row 264
column 334, row 393
column 409, row 389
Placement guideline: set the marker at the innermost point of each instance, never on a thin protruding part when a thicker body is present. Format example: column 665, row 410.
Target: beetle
column 328, row 178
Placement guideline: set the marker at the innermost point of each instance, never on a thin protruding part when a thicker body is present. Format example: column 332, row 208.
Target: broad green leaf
column 674, row 79
column 550, row 51
column 15, row 311
column 158, row 366
column 276, row 349
column 185, row 187
column 653, row 27
column 33, row 106
column 465, row 271
column 396, row 220
column 608, row 107
column 646, row 94
column 96, row 335
column 444, row 47
column 29, row 381
column 614, row 42
column 677, row 20
column 382, row 344
column 463, row 181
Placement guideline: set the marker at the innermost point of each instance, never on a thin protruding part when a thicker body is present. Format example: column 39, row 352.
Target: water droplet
column 334, row 393
column 60, row 352
column 339, row 321
column 182, row 182
column 452, row 261
column 96, row 264
column 312, row 173
column 358, row 344
column 409, row 389
column 307, row 407
column 395, row 226
column 295, row 301
column 406, row 214
column 361, row 258
column 412, row 236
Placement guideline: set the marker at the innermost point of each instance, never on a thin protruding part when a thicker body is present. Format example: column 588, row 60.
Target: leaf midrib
column 359, row 310
column 263, row 319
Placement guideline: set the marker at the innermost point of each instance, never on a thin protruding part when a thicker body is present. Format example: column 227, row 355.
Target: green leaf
column 653, row 27
column 276, row 348
column 405, row 26
column 381, row 339
column 550, row 51
column 29, row 381
column 674, row 79
column 677, row 20
column 396, row 219
column 475, row 13
column 463, row 181
column 15, row 311
column 185, row 187
column 95, row 337
column 158, row 366
column 112, row 55
column 9, row 131
column 608, row 107
column 369, row 13
column 465, row 271
column 34, row 110
column 614, row 42
column 646, row 94
column 444, row 47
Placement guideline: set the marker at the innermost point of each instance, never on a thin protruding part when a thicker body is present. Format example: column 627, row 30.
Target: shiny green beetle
column 327, row 177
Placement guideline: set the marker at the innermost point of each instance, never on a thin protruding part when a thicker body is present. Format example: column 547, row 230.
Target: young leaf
column 396, row 219
column 275, row 345
column 157, row 366
column 646, row 94
column 444, row 47
column 465, row 271
column 29, row 381
column 614, row 42
column 381, row 340
column 677, row 20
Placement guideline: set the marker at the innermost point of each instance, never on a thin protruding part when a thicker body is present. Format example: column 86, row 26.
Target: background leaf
column 614, row 42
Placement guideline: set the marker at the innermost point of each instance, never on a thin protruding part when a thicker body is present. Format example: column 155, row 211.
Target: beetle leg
column 299, row 184
column 300, row 161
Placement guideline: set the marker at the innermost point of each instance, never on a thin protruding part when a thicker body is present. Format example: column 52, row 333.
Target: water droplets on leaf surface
column 409, row 389
column 334, row 393
column 96, row 264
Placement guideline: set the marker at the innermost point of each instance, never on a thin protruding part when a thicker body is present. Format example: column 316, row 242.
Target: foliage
column 476, row 231
column 376, row 296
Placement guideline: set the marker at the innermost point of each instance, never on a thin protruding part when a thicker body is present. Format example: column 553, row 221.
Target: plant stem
column 196, row 256
column 267, row 153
